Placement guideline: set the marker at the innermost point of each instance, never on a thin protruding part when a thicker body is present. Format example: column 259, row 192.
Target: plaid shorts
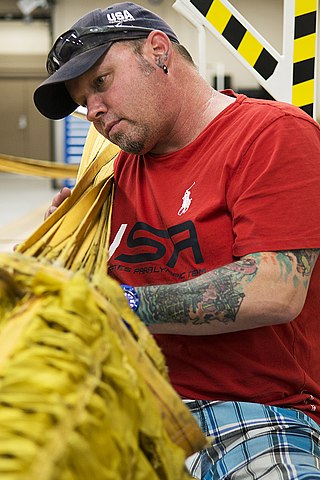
column 250, row 441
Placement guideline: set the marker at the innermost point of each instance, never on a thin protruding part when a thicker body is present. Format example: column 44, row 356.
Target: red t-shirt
column 249, row 182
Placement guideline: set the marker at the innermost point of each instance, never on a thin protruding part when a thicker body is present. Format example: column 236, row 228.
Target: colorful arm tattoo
column 218, row 295
column 304, row 260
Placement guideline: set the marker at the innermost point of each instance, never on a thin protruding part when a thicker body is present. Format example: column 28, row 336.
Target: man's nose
column 95, row 108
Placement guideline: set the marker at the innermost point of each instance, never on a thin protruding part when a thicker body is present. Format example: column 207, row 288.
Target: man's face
column 124, row 97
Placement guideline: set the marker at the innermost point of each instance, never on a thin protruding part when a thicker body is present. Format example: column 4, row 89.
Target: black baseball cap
column 78, row 49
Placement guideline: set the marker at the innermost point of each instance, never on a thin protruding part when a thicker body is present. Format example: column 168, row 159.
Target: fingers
column 64, row 193
column 50, row 210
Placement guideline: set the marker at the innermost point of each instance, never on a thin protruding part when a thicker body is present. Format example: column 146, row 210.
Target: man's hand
column 64, row 193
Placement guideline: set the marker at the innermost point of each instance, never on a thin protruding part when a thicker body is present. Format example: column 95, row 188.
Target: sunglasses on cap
column 79, row 40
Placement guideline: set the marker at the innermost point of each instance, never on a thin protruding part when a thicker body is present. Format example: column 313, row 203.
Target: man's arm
column 260, row 289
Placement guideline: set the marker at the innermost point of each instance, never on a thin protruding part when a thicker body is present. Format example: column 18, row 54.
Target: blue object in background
column 76, row 130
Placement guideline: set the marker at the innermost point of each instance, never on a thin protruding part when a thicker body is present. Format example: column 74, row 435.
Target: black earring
column 161, row 65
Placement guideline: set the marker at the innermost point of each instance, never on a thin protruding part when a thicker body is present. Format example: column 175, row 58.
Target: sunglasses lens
column 53, row 64
column 64, row 48
column 68, row 46
column 76, row 41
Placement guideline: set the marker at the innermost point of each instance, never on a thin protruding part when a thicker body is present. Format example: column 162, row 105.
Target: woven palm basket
column 84, row 391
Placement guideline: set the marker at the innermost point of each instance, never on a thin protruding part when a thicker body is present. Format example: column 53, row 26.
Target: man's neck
column 192, row 120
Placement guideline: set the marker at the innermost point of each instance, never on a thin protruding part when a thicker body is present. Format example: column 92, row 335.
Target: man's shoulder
column 272, row 109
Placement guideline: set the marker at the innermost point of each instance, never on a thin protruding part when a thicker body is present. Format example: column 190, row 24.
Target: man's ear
column 158, row 47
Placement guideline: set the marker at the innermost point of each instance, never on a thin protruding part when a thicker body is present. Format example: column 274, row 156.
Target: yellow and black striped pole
column 238, row 36
column 289, row 76
column 304, row 55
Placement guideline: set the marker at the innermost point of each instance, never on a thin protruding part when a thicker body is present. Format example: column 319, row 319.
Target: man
column 215, row 235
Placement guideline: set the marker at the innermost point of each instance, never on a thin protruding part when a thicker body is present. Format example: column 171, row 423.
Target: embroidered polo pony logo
column 186, row 201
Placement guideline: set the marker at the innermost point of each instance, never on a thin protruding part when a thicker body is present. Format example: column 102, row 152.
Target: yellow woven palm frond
column 65, row 235
column 41, row 168
column 78, row 398
column 84, row 391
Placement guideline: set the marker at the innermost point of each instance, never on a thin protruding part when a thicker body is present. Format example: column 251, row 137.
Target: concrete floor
column 23, row 201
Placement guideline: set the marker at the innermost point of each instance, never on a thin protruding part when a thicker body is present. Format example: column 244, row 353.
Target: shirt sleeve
column 274, row 195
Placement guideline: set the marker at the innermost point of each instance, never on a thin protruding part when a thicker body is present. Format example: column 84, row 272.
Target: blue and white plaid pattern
column 251, row 441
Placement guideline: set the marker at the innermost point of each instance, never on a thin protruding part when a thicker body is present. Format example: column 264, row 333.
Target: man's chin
column 127, row 145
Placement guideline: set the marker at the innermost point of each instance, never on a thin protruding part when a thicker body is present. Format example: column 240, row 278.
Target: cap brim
column 51, row 97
